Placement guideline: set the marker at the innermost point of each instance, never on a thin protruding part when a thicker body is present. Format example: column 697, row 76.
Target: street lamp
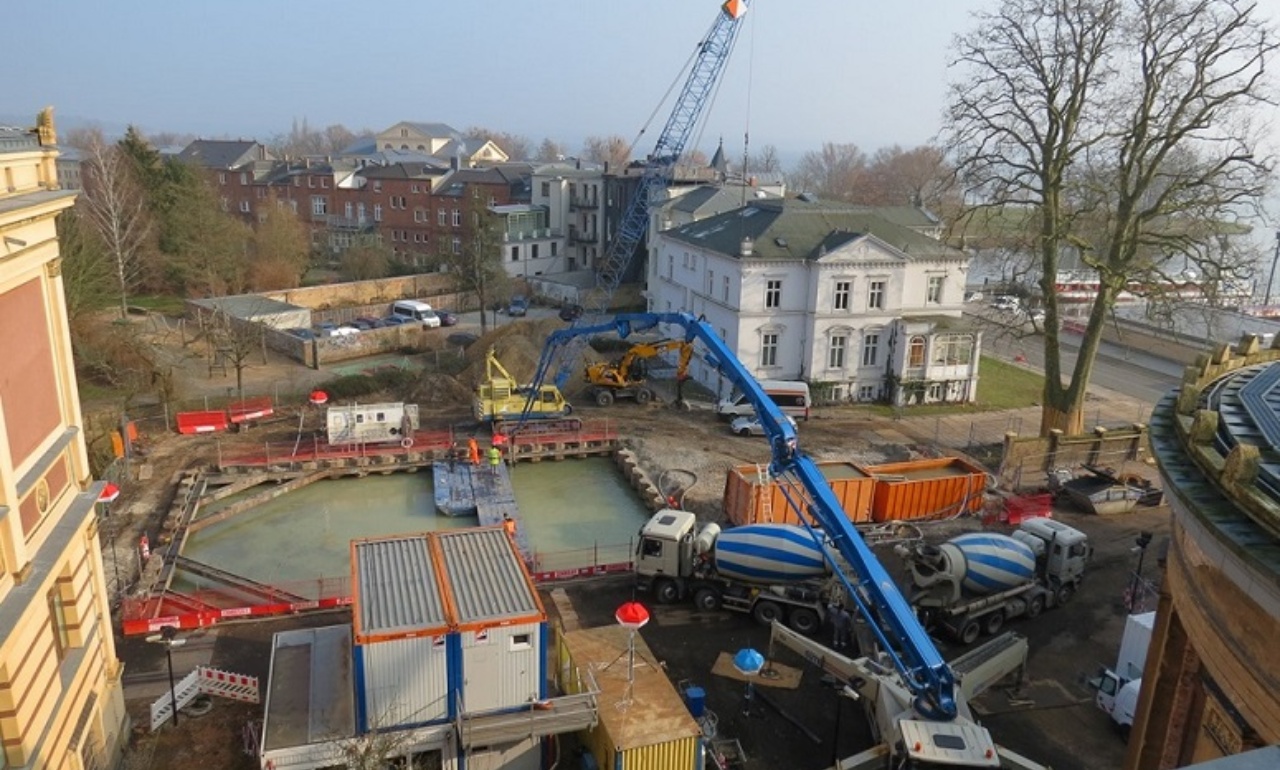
column 1271, row 279
column 168, row 637
column 1141, row 543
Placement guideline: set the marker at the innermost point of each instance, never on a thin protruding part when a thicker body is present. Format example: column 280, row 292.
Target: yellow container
column 644, row 724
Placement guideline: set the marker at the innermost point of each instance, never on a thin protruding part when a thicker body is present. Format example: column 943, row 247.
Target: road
column 1134, row 373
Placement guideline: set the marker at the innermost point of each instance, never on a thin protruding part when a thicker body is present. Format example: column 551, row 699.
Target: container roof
column 485, row 576
column 309, row 693
column 395, row 591
column 655, row 713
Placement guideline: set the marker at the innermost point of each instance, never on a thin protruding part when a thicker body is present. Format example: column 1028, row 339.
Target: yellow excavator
column 627, row 376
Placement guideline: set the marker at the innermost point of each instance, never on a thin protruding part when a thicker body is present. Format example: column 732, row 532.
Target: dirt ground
column 1054, row 722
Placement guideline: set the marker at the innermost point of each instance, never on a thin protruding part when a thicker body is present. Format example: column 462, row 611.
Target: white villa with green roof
column 863, row 303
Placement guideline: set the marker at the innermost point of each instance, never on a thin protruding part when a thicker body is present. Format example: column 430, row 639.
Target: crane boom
column 713, row 54
column 889, row 616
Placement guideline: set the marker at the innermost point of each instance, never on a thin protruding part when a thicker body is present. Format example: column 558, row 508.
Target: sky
column 804, row 72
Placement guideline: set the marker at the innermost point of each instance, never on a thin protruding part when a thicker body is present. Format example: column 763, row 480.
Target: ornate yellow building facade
column 61, row 702
column 1211, row 687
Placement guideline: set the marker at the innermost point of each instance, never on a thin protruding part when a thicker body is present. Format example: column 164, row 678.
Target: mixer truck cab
column 1062, row 553
column 770, row 571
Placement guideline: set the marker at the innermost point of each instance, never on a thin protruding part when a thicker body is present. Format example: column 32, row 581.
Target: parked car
column 301, row 333
column 357, row 323
column 394, row 320
column 366, row 322
column 519, row 306
column 447, row 317
column 324, row 328
column 1007, row 303
column 750, row 425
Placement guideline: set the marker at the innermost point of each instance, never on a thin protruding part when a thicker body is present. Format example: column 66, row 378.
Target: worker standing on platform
column 495, row 459
column 473, row 451
column 509, row 524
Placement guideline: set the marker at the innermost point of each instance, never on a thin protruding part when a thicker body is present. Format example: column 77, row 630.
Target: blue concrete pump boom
column 887, row 612
column 659, row 166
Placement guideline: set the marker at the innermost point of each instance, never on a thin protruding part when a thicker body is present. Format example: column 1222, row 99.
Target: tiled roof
column 796, row 229
column 218, row 153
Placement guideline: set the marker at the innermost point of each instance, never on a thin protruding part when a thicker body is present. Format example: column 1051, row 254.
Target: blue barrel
column 696, row 699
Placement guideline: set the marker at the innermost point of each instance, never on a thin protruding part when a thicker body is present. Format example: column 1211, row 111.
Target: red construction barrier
column 142, row 625
column 1018, row 509
column 250, row 409
column 201, row 422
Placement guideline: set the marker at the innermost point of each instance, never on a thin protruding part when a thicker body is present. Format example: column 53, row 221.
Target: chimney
column 744, row 249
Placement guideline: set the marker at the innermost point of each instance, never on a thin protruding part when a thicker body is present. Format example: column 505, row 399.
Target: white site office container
column 371, row 423
column 500, row 623
column 401, row 627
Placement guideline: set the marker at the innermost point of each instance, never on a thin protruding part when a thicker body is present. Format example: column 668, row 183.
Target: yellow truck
column 499, row 397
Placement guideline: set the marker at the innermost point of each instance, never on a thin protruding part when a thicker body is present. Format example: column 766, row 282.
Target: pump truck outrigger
column 917, row 667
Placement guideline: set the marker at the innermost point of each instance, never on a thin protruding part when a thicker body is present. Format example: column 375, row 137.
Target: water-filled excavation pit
column 575, row 514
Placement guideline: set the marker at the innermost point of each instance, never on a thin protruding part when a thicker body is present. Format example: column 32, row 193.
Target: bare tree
column 281, row 248
column 1122, row 127
column 234, row 341
column 764, row 162
column 365, row 262
column 550, row 151
column 115, row 205
column 477, row 263
column 837, row 171
column 613, row 150
column 918, row 177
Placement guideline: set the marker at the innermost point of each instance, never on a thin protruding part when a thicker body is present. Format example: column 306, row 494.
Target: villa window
column 953, row 349
column 935, row 290
column 769, row 349
column 835, row 352
column 841, row 299
column 773, row 293
column 915, row 352
column 870, row 349
column 875, row 295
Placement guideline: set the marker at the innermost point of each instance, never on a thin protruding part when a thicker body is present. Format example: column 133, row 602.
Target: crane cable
column 746, row 129
column 679, row 78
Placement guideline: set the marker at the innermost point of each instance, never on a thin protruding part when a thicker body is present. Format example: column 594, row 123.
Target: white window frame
column 319, row 205
column 840, row 296
column 870, row 348
column 837, row 347
column 377, row 212
column 875, row 293
column 769, row 349
column 933, row 292
column 773, row 293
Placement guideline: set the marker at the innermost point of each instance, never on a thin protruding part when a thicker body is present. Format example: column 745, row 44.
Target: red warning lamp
column 318, row 398
column 109, row 493
column 632, row 616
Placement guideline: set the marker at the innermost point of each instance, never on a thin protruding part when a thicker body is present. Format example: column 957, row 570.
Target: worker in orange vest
column 509, row 524
column 473, row 450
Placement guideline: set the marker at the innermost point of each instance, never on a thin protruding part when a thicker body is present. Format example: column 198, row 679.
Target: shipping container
column 752, row 497
column 401, row 625
column 497, row 617
column 650, row 727
column 934, row 488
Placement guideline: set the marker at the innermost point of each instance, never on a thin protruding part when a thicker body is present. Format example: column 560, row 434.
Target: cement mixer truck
column 770, row 571
column 973, row 583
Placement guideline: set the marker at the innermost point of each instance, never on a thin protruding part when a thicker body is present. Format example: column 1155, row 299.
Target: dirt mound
column 518, row 347
column 439, row 390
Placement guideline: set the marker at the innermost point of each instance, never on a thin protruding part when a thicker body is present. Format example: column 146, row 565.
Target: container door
column 482, row 668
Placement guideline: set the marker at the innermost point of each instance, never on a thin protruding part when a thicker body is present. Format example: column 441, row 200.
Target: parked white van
column 791, row 396
column 414, row 310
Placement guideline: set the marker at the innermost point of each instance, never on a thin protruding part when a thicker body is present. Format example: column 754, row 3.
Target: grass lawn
column 1000, row 386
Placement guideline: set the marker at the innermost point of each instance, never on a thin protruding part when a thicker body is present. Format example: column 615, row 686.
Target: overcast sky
column 869, row 72
column 803, row 72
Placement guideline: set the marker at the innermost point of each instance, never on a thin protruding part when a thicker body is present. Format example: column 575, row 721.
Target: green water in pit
column 576, row 512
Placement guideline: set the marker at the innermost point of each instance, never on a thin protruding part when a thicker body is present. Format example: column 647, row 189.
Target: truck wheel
column 667, row 592
column 1035, row 606
column 765, row 612
column 993, row 623
column 644, row 396
column 603, row 398
column 745, row 432
column 970, row 632
column 804, row 621
column 1065, row 593
column 707, row 599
